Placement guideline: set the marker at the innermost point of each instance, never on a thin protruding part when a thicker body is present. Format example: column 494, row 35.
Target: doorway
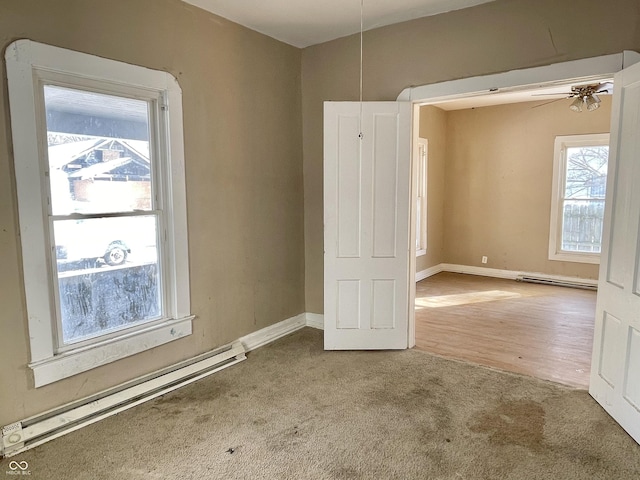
column 613, row 379
column 471, row 259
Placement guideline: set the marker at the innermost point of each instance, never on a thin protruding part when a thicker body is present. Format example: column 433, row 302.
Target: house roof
column 100, row 168
column 66, row 153
column 139, row 147
column 61, row 155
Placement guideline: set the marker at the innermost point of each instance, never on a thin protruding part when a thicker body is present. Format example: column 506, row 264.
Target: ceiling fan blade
column 566, row 94
column 547, row 103
column 606, row 88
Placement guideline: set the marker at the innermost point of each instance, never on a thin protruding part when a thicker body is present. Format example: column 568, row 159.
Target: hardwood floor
column 537, row 330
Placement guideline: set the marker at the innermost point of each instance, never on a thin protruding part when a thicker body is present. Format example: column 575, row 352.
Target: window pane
column 99, row 157
column 585, row 189
column 108, row 274
column 582, row 225
column 586, row 172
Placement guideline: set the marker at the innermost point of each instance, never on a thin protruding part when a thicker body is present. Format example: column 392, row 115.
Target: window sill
column 82, row 359
column 575, row 257
column 422, row 252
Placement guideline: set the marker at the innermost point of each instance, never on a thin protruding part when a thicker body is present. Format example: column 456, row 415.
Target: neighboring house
column 100, row 168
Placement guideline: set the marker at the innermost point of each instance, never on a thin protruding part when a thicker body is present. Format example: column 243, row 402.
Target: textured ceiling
column 308, row 22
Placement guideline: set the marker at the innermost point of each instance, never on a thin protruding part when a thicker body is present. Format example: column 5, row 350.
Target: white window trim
column 422, row 234
column 559, row 173
column 23, row 59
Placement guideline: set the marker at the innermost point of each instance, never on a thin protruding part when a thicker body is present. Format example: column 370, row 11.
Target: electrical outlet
column 484, row 259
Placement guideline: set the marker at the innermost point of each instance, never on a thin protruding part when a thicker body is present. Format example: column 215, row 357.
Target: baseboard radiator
column 557, row 282
column 33, row 431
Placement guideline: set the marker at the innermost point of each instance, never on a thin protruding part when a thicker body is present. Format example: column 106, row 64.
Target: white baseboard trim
column 429, row 272
column 278, row 330
column 273, row 332
column 512, row 274
column 41, row 428
column 498, row 273
column 315, row 320
column 482, row 271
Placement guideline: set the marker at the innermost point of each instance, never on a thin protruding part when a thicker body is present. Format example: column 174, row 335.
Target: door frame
column 556, row 74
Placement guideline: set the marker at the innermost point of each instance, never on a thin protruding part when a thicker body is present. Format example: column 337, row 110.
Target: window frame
column 29, row 64
column 422, row 175
column 561, row 143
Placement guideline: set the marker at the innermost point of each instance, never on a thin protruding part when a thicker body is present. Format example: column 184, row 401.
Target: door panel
column 348, row 307
column 366, row 214
column 384, row 301
column 348, row 188
column 615, row 371
column 385, row 185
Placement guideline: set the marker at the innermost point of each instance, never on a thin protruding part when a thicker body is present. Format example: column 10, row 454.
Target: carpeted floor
column 293, row 411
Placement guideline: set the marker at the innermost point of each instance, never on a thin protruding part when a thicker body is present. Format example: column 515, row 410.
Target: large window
column 577, row 210
column 99, row 168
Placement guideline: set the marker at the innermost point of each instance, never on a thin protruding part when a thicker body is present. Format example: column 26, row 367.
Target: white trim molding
column 429, row 272
column 30, row 67
column 315, row 320
column 278, row 330
column 273, row 332
column 498, row 273
column 555, row 74
column 482, row 271
column 559, row 195
column 38, row 429
column 71, row 363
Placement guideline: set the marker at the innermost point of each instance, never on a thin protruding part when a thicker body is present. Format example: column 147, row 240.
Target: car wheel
column 116, row 255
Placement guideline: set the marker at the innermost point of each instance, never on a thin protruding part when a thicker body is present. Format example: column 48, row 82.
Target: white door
column 366, row 225
column 615, row 368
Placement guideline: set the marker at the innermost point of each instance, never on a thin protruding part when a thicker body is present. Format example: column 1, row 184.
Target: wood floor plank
column 538, row 330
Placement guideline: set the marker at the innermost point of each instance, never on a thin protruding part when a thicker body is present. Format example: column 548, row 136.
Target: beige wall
column 243, row 147
column 498, row 180
column 433, row 127
column 495, row 37
column 253, row 111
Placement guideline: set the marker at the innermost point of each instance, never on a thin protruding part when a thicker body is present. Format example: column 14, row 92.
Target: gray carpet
column 293, row 411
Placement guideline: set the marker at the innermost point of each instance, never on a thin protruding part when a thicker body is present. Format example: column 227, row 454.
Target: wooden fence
column 582, row 225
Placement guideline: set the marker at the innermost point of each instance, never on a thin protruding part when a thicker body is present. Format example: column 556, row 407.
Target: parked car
column 98, row 241
column 114, row 254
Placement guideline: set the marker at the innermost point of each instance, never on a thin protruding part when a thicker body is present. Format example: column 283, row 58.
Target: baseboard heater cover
column 557, row 282
column 36, row 430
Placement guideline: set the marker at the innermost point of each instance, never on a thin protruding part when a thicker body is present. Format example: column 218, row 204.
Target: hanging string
column 360, row 135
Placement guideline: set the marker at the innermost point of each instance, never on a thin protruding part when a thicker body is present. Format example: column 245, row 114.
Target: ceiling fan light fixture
column 593, row 102
column 576, row 105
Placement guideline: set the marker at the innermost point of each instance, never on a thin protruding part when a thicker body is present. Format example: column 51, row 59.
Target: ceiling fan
column 583, row 95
